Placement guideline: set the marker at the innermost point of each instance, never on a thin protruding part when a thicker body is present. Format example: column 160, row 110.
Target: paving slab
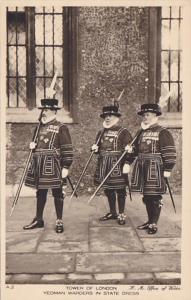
column 74, row 276
column 127, row 262
column 114, row 239
column 139, row 276
column 53, row 277
column 62, row 246
column 161, row 244
column 73, row 239
column 39, row 263
column 94, row 222
column 25, row 278
column 21, row 242
column 75, row 229
column 167, row 275
column 110, row 276
column 166, row 228
column 90, row 249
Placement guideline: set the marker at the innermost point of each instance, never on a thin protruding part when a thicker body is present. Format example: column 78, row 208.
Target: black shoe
column 59, row 226
column 121, row 219
column 108, row 216
column 152, row 229
column 143, row 226
column 34, row 224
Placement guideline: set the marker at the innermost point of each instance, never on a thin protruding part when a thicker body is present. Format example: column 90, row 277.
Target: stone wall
column 113, row 54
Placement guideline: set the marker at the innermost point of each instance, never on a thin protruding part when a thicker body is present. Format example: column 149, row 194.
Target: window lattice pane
column 174, row 66
column 39, row 29
column 39, row 90
column 49, row 57
column 21, row 36
column 12, row 92
column 22, row 61
column 38, row 9
column 12, row 61
column 11, row 33
column 180, row 67
column 48, row 9
column 174, row 36
column 48, row 30
column 39, row 61
column 48, row 61
column 58, row 30
column 58, row 9
column 164, row 66
column 165, row 35
column 58, row 58
column 16, row 59
column 175, row 12
column 22, row 92
column 171, row 58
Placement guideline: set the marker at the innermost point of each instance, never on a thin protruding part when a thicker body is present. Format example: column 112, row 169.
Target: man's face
column 47, row 113
column 109, row 119
column 148, row 117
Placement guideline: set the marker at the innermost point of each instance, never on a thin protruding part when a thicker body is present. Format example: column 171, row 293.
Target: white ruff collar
column 114, row 122
column 146, row 126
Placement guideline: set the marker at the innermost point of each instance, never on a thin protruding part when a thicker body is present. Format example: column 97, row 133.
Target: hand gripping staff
column 26, row 167
column 117, row 162
column 51, row 89
column 85, row 168
column 92, row 153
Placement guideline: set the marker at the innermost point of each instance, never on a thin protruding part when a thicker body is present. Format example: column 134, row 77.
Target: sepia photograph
column 93, row 98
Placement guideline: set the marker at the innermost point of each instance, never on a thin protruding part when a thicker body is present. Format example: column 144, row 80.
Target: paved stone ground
column 90, row 252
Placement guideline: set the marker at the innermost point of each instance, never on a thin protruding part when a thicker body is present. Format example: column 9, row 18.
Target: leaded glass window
column 16, row 57
column 49, row 47
column 171, row 57
column 41, row 41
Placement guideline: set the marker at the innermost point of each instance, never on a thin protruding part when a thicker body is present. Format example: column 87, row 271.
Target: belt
column 155, row 156
column 40, row 151
column 109, row 153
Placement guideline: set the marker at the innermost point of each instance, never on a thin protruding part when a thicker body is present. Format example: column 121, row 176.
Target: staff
column 85, row 168
column 114, row 166
column 26, row 167
column 170, row 192
column 50, row 91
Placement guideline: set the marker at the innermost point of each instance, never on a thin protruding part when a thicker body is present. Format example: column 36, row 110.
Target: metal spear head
column 50, row 92
column 116, row 102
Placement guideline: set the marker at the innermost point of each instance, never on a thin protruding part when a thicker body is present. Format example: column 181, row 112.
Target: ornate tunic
column 53, row 152
column 156, row 153
column 111, row 146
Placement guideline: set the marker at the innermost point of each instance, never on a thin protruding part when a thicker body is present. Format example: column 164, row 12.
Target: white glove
column 32, row 145
column 64, row 173
column 126, row 168
column 94, row 148
column 129, row 149
column 167, row 174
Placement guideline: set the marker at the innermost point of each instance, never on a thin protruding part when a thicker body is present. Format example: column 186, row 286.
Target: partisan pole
column 170, row 192
column 85, row 168
column 51, row 89
column 26, row 167
column 114, row 166
column 116, row 102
